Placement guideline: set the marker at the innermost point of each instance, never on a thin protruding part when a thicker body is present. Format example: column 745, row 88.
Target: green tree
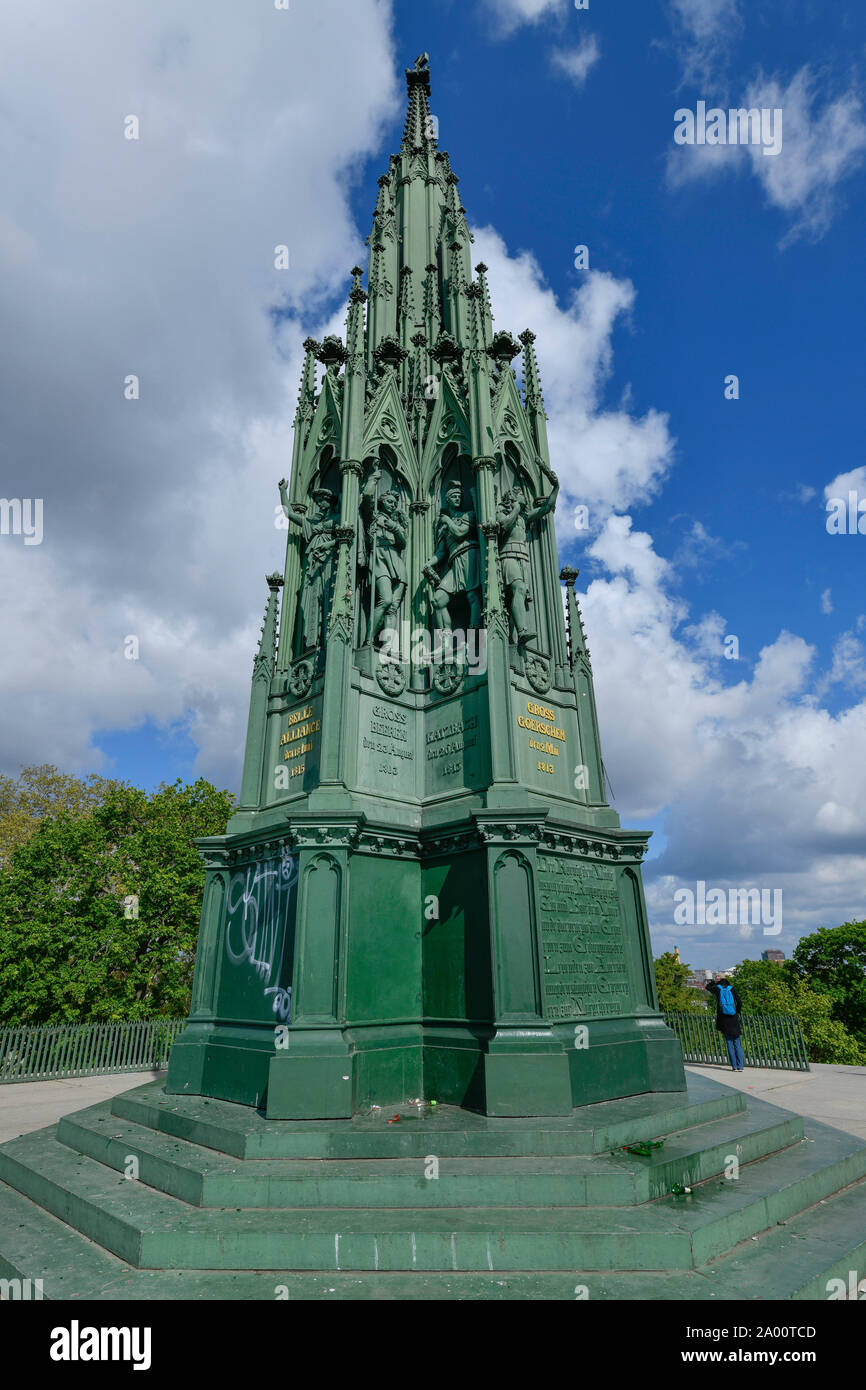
column 671, row 975
column 765, row 987
column 99, row 912
column 43, row 791
column 833, row 959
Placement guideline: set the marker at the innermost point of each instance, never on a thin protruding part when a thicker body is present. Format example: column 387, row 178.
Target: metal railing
column 51, row 1051
column 769, row 1040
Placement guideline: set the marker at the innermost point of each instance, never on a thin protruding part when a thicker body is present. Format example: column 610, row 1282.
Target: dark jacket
column 727, row 1024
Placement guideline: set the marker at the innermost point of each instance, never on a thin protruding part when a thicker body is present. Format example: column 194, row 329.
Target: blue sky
column 707, row 514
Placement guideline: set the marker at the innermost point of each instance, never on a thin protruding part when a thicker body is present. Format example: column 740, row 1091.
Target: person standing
column 728, row 1011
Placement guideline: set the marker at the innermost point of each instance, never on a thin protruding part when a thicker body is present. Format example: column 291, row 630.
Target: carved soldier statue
column 458, row 553
column 317, row 530
column 382, row 541
column 514, row 516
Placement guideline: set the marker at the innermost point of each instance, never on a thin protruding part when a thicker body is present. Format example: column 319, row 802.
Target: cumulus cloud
column 608, row 459
column 843, row 483
column 756, row 783
column 156, row 257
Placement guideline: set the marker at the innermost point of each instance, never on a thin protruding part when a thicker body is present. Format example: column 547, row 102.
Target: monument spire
column 426, row 734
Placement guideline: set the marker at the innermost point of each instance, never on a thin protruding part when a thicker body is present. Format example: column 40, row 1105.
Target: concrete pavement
column 834, row 1095
column 29, row 1105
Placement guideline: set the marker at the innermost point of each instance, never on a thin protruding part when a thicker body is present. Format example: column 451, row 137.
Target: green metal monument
column 424, row 892
column 422, row 897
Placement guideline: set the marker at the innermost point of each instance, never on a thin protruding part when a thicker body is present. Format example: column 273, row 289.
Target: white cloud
column 740, row 772
column 849, row 661
column 843, row 483
column 707, row 635
column 827, row 601
column 156, row 257
column 577, row 63
column 607, row 459
column 511, row 14
column 704, row 18
column 624, row 551
column 821, row 147
column 703, row 31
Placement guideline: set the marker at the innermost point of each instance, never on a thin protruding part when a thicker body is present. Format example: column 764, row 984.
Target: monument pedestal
column 500, row 964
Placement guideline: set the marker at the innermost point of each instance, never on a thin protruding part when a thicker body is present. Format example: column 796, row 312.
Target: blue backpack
column 726, row 1000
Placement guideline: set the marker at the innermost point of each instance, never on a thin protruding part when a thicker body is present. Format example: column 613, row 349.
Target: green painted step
column 152, row 1230
column 770, row 1190
column 448, row 1132
column 793, row 1261
column 199, row 1176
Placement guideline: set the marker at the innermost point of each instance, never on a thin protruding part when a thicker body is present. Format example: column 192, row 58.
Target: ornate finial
column 390, row 351
column 503, row 349
column 534, row 400
column 357, row 293
column 568, row 574
column 274, row 581
column 481, row 268
column 332, row 353
column 310, row 345
column 447, row 349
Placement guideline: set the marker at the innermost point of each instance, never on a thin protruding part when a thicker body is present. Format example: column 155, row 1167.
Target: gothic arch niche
column 634, row 914
column 206, row 982
column 383, row 551
column 312, row 527
column 514, row 475
column 454, row 470
column 322, row 908
column 517, row 980
column 326, row 474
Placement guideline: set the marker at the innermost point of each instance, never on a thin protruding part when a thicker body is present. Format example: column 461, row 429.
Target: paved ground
column 835, row 1095
column 28, row 1105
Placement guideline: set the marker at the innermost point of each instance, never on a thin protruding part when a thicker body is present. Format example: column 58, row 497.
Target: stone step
column 448, row 1131
column 203, row 1178
column 793, row 1261
column 156, row 1231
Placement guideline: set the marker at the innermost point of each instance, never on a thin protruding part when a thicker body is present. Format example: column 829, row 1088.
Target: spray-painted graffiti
column 260, row 901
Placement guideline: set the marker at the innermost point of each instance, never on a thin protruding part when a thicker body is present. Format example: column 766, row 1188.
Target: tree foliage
column 671, row 975
column 39, row 792
column 71, row 948
column 766, row 987
column 833, row 959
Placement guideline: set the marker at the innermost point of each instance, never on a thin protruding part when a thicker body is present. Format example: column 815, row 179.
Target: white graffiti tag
column 259, row 902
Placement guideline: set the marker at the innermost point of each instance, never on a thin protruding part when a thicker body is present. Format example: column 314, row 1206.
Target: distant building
column 774, row 955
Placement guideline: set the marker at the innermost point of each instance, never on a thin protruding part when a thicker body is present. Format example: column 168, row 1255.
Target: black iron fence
column 51, row 1051
column 769, row 1040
